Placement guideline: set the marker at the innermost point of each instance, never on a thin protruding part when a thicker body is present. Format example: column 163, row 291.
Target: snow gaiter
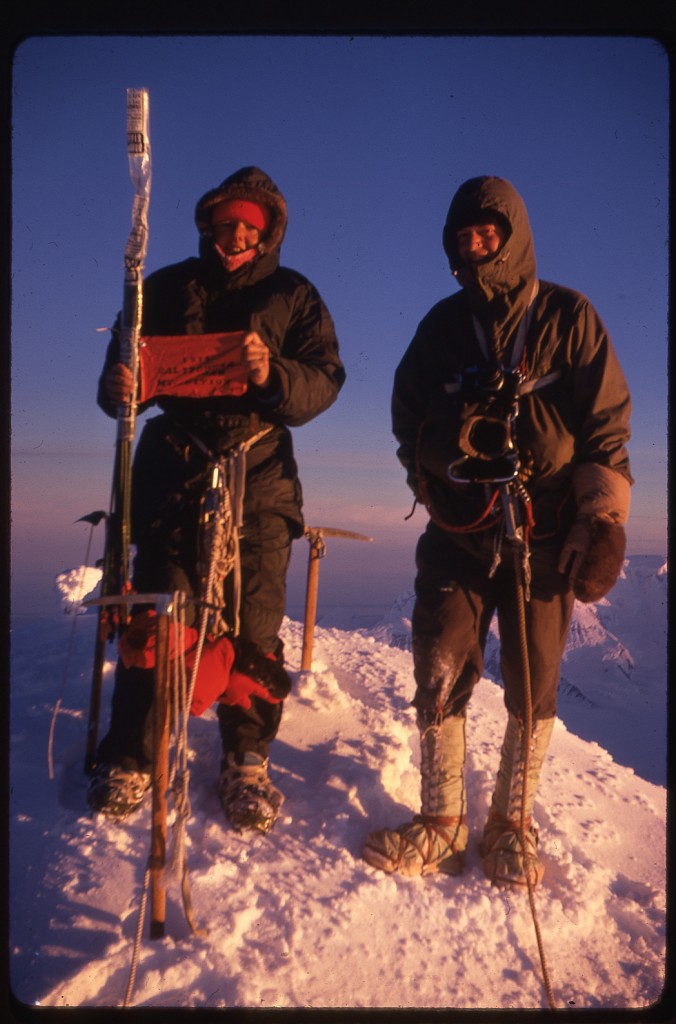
column 504, row 859
column 436, row 839
column 442, row 778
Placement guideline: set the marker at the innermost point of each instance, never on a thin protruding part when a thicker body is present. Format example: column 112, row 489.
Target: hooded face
column 507, row 266
column 237, row 227
column 479, row 242
column 234, row 236
column 246, row 213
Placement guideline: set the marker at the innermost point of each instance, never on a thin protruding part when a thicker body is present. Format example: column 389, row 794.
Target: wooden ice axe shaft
column 160, row 765
column 315, row 535
column 160, row 777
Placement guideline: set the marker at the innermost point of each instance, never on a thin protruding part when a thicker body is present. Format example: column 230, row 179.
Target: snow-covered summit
column 297, row 919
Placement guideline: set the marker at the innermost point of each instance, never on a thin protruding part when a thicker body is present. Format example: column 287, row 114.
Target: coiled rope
column 220, row 556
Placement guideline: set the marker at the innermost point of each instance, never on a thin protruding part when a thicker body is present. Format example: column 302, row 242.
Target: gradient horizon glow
column 368, row 138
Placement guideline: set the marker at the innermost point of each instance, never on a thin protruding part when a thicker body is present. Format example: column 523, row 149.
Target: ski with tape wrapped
column 116, row 569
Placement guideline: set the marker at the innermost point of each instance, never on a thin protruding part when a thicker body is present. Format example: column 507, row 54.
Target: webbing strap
column 243, row 446
column 525, row 387
column 540, row 382
column 522, row 330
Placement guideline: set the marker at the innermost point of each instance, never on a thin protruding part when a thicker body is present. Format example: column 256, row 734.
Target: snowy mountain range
column 296, row 919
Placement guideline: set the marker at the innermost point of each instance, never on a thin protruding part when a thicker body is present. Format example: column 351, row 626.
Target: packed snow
column 297, row 919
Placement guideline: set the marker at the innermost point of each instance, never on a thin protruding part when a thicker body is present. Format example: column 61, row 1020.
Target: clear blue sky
column 367, row 138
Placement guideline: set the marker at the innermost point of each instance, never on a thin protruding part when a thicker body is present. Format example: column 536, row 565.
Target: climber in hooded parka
column 290, row 351
column 203, row 294
column 510, row 381
column 576, row 407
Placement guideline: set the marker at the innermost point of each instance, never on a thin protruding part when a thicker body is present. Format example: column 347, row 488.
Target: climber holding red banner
column 235, row 351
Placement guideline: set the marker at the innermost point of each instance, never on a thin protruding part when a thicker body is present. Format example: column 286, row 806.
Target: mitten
column 598, row 569
column 593, row 551
column 233, row 674
column 241, row 688
column 213, row 674
column 266, row 669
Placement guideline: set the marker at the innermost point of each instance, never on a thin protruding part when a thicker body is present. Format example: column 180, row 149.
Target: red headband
column 241, row 209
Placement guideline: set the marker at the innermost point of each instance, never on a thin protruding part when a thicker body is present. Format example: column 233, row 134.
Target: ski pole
column 315, row 535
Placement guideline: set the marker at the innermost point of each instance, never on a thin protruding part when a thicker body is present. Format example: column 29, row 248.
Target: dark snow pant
column 266, row 549
column 455, row 602
column 165, row 519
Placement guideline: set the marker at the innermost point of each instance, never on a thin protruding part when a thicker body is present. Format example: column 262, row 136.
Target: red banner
column 191, row 365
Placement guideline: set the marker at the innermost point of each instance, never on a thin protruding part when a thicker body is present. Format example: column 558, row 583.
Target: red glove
column 219, row 680
column 242, row 688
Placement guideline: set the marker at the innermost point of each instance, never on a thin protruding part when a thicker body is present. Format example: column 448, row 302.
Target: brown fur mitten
column 599, row 569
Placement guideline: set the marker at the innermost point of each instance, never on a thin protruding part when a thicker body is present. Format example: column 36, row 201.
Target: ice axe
column 315, row 535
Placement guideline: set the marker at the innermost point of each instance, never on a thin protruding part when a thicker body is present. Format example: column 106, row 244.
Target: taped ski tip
column 137, row 120
column 138, row 151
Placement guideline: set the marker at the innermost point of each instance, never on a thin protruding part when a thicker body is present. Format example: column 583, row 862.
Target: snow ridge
column 297, row 919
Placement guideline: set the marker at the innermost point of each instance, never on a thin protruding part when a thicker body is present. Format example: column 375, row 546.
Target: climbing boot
column 508, row 852
column 117, row 792
column 436, row 839
column 249, row 799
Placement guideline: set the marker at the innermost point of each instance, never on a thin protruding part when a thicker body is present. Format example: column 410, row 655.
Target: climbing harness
column 220, row 523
